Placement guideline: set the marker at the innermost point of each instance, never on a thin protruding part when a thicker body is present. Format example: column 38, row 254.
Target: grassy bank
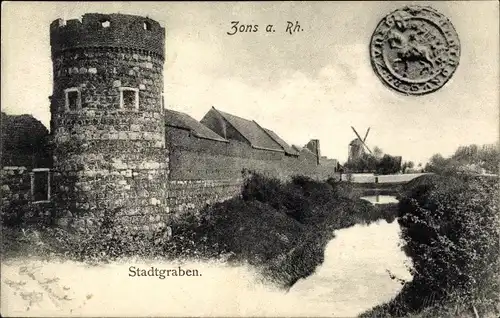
column 280, row 228
column 451, row 229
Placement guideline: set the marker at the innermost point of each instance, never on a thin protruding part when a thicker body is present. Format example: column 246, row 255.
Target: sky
column 316, row 83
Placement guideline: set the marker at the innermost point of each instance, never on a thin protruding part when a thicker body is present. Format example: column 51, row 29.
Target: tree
column 437, row 164
column 489, row 158
column 24, row 141
column 420, row 167
column 370, row 163
column 407, row 165
column 365, row 163
column 389, row 164
column 471, row 158
column 377, row 152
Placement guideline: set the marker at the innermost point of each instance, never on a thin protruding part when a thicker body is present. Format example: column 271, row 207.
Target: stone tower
column 110, row 160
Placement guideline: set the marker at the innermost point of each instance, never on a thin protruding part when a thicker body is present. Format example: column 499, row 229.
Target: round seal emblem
column 415, row 50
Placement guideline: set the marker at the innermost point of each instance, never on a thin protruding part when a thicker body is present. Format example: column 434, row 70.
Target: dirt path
column 30, row 286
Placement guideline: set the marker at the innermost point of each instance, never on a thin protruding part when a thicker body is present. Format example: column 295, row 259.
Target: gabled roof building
column 222, row 144
column 180, row 120
column 233, row 127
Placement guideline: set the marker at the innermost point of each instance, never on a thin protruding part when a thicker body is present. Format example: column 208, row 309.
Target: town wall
column 16, row 186
column 193, row 158
column 122, row 164
column 204, row 171
column 189, row 197
column 17, row 202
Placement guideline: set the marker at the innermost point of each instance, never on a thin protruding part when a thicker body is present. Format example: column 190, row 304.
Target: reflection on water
column 380, row 199
column 352, row 279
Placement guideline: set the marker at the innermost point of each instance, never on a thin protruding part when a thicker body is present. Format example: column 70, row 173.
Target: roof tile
column 177, row 119
column 257, row 137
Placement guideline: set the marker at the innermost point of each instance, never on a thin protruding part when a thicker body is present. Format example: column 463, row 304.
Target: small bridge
column 371, row 184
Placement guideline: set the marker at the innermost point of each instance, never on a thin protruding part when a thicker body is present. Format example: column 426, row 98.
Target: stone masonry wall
column 17, row 205
column 16, row 186
column 188, row 197
column 109, row 161
column 193, row 158
column 206, row 171
column 124, row 31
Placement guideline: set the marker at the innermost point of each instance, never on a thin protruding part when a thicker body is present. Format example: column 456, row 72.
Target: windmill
column 357, row 146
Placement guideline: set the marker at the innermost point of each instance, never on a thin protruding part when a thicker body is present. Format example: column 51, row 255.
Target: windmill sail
column 361, row 140
column 366, row 135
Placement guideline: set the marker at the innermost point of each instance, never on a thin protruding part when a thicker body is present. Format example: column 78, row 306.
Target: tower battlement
column 108, row 30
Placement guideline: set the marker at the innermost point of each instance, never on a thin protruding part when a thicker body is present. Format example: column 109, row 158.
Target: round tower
column 110, row 160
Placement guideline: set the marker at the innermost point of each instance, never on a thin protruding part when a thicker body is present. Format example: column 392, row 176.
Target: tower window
column 73, row 99
column 105, row 23
column 40, row 185
column 129, row 98
column 146, row 25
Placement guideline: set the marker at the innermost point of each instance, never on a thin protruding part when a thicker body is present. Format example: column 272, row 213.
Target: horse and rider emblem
column 415, row 50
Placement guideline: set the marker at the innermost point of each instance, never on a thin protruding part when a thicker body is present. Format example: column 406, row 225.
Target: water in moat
column 380, row 199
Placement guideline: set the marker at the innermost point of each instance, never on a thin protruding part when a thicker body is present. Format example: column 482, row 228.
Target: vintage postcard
column 250, row 159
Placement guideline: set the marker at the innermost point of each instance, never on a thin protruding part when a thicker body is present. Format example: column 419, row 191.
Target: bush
column 335, row 204
column 252, row 231
column 451, row 226
column 107, row 242
column 281, row 228
column 292, row 198
column 19, row 213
